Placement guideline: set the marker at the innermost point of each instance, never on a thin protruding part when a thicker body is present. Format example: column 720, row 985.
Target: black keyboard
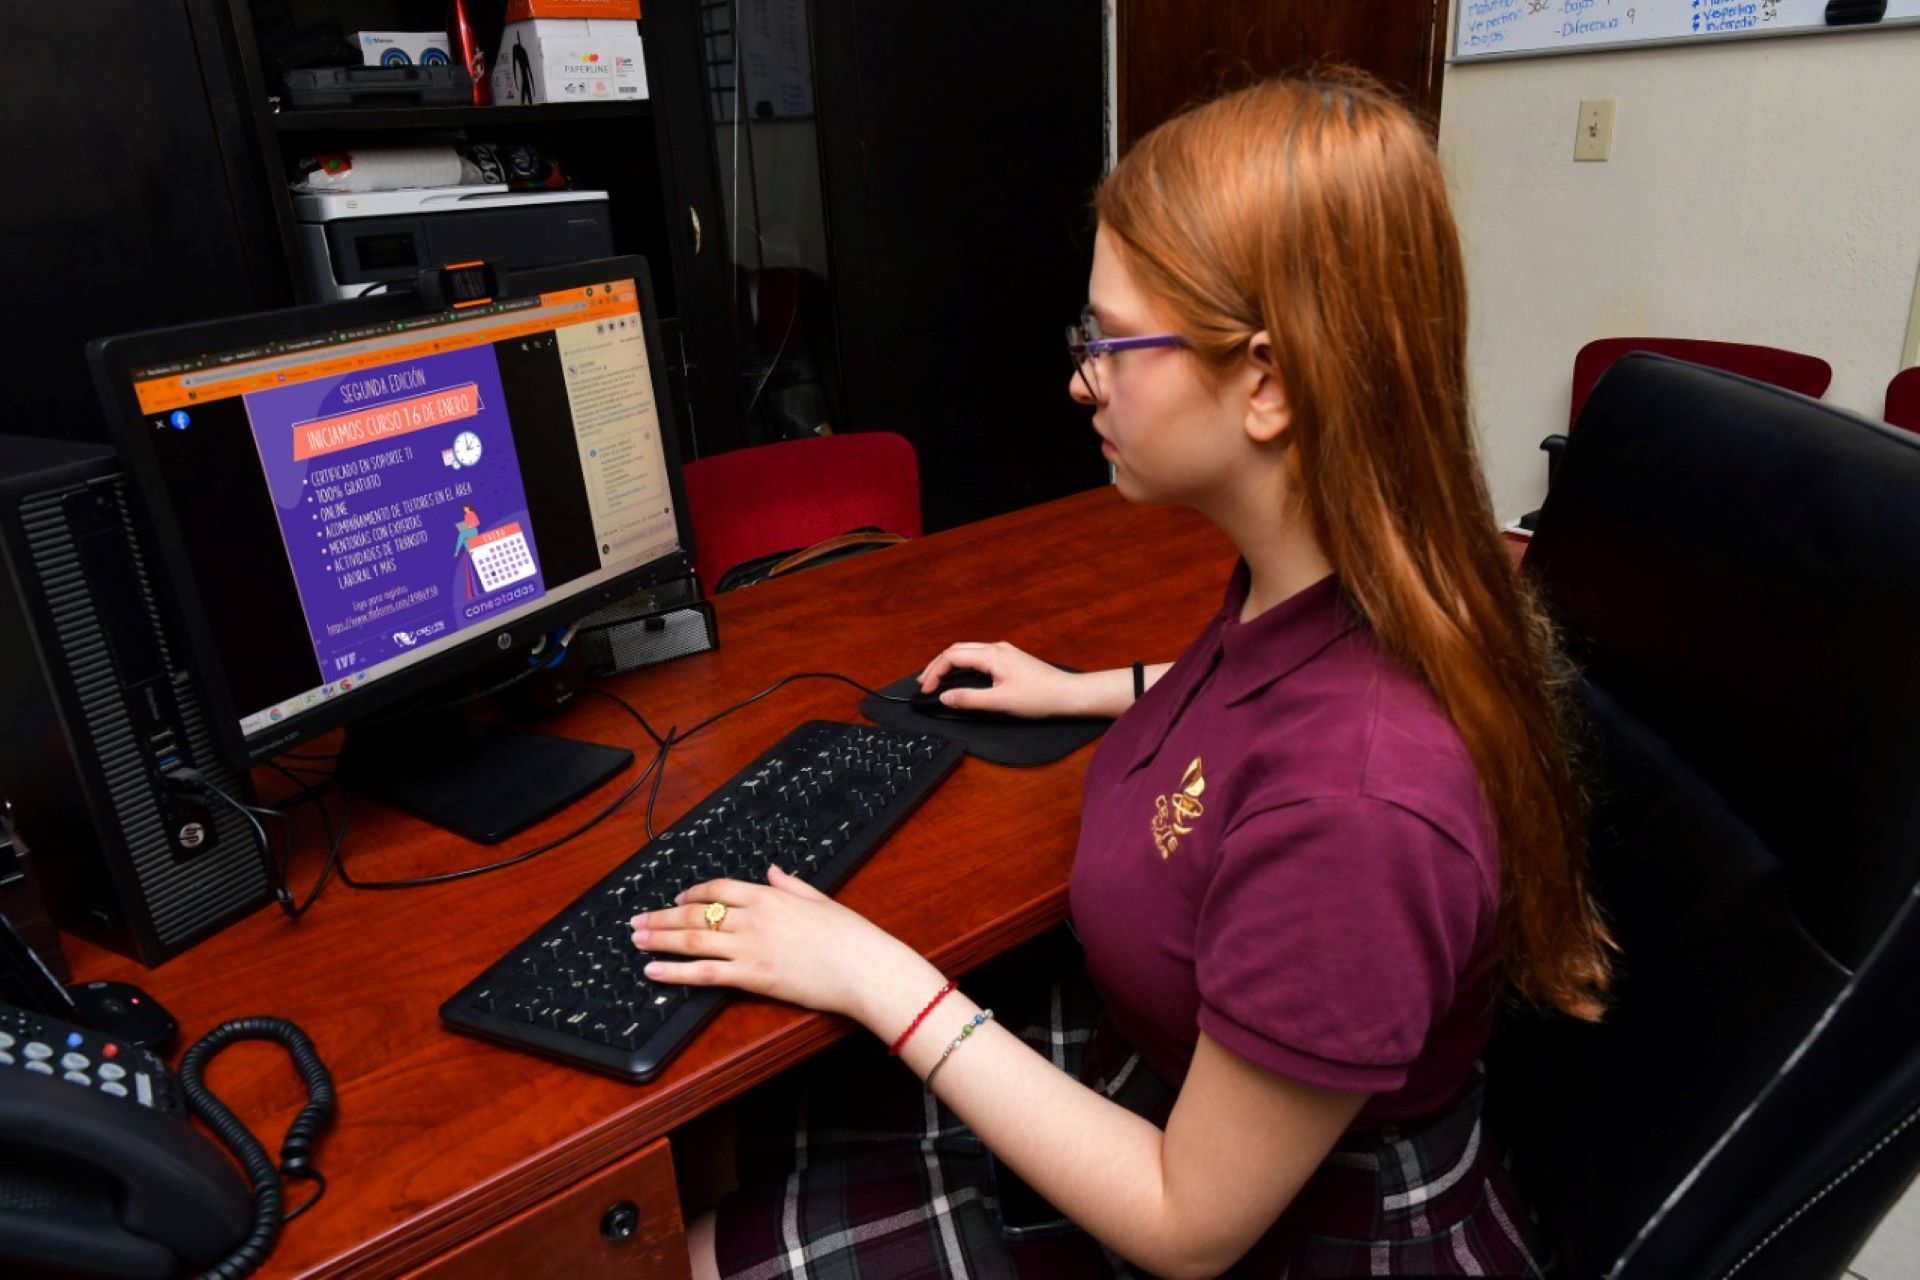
column 817, row 803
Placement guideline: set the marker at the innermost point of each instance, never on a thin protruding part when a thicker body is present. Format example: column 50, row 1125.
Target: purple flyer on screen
column 399, row 498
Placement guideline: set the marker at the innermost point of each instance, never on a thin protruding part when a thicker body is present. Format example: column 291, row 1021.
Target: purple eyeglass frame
column 1081, row 348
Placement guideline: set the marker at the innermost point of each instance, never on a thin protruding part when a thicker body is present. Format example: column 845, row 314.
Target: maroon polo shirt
column 1283, row 844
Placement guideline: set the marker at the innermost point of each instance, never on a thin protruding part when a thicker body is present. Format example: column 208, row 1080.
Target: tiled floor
column 1893, row 1252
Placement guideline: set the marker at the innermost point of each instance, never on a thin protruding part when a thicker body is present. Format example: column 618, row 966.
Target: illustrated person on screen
column 1316, row 854
column 468, row 527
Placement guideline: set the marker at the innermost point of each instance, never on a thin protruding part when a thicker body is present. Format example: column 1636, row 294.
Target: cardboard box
column 521, row 10
column 404, row 48
column 570, row 60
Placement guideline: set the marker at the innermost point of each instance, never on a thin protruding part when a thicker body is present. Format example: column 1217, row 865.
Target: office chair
column 789, row 495
column 1733, row 567
column 1809, row 375
column 1903, row 399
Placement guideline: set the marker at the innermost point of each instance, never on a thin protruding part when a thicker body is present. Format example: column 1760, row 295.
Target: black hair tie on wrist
column 1139, row 680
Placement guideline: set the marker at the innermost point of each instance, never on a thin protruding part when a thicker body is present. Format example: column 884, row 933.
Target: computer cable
column 664, row 744
column 631, row 710
column 188, row 778
column 280, row 860
column 316, row 782
column 194, row 778
column 775, row 687
column 419, row 882
column 336, row 836
column 336, row 843
column 283, row 861
column 646, row 819
column 655, row 770
column 781, row 683
column 675, row 737
column 538, row 659
column 314, row 794
column 303, row 792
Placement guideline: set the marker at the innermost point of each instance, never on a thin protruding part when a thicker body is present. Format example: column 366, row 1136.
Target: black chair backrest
column 1736, row 569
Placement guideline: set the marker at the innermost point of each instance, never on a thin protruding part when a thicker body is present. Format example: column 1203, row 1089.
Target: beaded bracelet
column 893, row 1050
column 979, row 1020
column 1139, row 680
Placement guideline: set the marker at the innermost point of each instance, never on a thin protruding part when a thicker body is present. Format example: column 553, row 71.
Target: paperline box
column 570, row 60
column 520, row 10
column 404, row 48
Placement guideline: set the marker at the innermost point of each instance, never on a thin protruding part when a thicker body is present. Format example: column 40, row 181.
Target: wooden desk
column 455, row 1157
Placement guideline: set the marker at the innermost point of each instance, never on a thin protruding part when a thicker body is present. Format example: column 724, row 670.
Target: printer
column 354, row 242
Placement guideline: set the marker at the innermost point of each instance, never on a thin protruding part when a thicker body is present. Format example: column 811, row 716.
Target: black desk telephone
column 100, row 1173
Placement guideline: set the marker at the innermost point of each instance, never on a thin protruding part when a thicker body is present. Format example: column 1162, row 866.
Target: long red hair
column 1315, row 209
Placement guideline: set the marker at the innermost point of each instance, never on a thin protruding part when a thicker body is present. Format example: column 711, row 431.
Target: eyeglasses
column 1085, row 345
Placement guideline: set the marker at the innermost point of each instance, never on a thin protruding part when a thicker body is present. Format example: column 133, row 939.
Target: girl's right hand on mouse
column 1023, row 685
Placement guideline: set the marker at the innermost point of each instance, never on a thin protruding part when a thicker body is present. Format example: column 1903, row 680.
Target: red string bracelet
column 893, row 1050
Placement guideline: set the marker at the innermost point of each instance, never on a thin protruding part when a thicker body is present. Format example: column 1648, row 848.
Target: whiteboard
column 1505, row 28
column 775, row 59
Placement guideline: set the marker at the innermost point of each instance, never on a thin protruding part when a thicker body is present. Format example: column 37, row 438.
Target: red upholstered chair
column 754, row 502
column 1903, row 399
column 1808, row 375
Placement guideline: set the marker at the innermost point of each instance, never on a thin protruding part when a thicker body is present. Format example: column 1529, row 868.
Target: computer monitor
column 356, row 503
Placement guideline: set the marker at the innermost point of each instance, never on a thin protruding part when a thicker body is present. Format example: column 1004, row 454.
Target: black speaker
column 669, row 621
column 99, row 706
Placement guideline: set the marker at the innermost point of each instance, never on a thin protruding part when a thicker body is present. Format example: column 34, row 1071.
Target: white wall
column 1760, row 191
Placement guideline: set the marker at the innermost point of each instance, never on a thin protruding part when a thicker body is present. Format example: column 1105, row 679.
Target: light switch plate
column 1594, row 140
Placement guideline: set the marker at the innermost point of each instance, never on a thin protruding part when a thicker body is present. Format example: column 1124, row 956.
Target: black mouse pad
column 1000, row 740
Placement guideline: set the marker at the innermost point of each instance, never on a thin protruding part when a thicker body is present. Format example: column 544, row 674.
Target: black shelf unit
column 955, row 149
column 654, row 158
column 358, row 119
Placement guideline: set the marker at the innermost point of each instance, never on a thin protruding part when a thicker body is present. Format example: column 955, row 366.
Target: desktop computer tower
column 98, row 704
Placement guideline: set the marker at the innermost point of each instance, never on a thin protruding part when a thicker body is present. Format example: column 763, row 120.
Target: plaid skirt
column 851, row 1170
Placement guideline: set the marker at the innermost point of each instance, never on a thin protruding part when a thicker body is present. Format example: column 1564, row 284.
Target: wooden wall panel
column 1175, row 52
column 960, row 144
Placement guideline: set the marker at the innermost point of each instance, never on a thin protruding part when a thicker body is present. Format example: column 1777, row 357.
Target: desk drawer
column 566, row 1235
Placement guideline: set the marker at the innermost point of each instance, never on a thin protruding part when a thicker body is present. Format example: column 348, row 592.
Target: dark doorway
column 960, row 146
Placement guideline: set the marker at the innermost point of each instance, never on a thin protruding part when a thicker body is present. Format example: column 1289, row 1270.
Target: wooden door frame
column 1427, row 104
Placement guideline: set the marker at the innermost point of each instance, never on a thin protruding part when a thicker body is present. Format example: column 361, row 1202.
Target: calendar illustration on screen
column 501, row 556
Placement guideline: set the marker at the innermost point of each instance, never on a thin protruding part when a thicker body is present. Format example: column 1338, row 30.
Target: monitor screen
column 356, row 494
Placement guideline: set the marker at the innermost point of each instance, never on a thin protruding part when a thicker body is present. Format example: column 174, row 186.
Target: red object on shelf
column 471, row 55
column 521, row 10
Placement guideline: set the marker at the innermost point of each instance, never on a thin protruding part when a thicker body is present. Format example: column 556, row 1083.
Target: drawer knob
column 620, row 1222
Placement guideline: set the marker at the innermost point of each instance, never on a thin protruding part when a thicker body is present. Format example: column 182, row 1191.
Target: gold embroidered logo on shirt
column 1173, row 816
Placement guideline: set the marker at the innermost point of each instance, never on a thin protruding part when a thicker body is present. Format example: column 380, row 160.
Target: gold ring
column 716, row 915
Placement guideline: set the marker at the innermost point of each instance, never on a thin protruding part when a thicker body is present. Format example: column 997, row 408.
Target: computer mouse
column 929, row 704
column 125, row 1011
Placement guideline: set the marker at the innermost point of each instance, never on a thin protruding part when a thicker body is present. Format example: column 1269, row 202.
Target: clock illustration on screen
column 466, row 449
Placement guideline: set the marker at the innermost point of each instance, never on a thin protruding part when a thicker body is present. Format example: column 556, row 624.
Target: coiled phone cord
column 296, row 1149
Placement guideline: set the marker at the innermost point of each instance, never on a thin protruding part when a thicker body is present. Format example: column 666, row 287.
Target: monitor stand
column 476, row 780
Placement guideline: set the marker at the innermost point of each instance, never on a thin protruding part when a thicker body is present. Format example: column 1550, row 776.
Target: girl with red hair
column 1317, row 851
